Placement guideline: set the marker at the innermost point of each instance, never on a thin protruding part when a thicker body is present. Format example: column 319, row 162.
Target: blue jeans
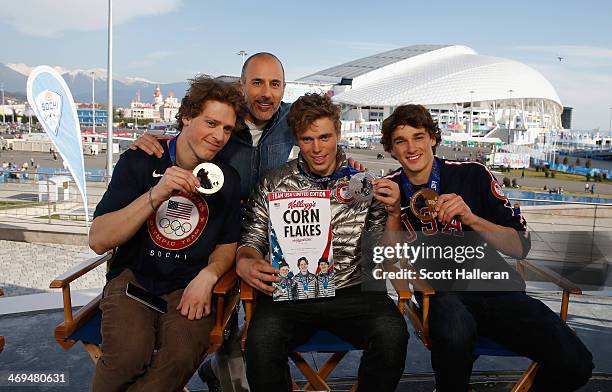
column 521, row 323
column 368, row 320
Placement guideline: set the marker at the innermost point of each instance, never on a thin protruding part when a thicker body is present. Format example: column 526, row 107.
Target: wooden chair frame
column 316, row 380
column 419, row 317
column 225, row 294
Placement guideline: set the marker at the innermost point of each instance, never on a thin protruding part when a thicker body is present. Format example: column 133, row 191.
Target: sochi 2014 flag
column 52, row 102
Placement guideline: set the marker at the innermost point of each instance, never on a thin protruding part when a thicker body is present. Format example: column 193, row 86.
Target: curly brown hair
column 203, row 89
column 310, row 107
column 417, row 116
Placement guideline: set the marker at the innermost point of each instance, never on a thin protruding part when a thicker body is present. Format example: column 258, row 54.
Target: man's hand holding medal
column 388, row 193
column 425, row 203
column 207, row 178
column 449, row 206
column 175, row 180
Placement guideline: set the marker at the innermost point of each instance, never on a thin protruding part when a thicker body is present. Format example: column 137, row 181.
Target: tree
column 556, row 160
column 577, row 162
column 588, row 164
column 565, row 160
column 588, row 177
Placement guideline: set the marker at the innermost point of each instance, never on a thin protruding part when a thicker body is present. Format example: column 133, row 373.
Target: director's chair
column 321, row 342
column 419, row 317
column 84, row 324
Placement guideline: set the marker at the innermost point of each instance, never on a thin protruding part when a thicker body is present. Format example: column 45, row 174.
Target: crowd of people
column 10, row 171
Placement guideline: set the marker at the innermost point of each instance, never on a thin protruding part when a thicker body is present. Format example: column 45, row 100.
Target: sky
column 172, row 40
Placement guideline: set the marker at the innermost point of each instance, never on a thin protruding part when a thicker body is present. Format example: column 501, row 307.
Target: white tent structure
column 450, row 80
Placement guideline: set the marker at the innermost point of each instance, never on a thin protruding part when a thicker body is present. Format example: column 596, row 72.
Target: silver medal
column 361, row 186
column 210, row 177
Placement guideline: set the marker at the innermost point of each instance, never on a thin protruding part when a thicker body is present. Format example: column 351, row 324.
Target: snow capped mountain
column 14, row 77
column 20, row 68
column 99, row 73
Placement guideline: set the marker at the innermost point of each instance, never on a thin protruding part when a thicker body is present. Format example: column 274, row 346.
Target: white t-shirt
column 256, row 131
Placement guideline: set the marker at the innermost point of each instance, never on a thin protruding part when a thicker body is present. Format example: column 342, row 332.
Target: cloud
column 149, row 59
column 53, row 18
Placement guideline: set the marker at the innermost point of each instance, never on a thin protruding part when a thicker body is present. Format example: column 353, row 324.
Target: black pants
column 521, row 323
column 368, row 320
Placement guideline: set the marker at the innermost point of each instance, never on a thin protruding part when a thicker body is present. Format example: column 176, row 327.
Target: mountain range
column 14, row 78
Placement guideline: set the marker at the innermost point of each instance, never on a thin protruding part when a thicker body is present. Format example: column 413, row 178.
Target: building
column 87, row 114
column 160, row 110
column 12, row 112
column 169, row 108
column 566, row 117
column 464, row 91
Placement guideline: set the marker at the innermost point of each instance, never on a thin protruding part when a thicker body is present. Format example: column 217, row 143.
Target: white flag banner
column 51, row 101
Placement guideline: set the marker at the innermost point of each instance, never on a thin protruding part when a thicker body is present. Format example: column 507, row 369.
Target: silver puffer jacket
column 349, row 220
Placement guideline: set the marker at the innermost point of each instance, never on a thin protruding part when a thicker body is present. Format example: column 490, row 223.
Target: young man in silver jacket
column 366, row 319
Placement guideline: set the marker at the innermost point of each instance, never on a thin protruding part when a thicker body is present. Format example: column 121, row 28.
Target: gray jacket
column 349, row 220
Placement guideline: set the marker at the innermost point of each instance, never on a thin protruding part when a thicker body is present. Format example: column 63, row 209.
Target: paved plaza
column 28, row 268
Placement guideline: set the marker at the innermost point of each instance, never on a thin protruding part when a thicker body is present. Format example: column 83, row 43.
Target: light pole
column 29, row 113
column 93, row 101
column 471, row 110
column 109, row 77
column 243, row 54
column 2, row 89
column 610, row 126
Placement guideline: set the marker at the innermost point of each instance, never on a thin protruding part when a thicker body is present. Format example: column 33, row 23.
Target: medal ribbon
column 433, row 183
column 304, row 281
column 172, row 150
column 345, row 171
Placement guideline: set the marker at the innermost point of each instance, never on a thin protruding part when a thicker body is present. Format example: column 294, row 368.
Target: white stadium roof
column 436, row 75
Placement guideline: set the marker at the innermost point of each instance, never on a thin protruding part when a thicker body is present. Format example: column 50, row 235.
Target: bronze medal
column 422, row 204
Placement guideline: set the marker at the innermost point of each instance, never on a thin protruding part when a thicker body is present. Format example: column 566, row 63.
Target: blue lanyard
column 303, row 282
column 172, row 150
column 345, row 171
column 325, row 279
column 433, row 183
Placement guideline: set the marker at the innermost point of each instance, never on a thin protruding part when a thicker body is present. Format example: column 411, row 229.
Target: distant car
column 351, row 144
column 363, row 144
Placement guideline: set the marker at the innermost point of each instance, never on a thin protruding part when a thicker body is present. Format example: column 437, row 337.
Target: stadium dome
column 446, row 75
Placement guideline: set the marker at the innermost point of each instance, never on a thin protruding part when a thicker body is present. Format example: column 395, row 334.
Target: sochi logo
column 49, row 105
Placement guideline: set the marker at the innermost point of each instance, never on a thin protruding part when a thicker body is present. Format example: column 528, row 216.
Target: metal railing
column 39, row 196
column 55, row 199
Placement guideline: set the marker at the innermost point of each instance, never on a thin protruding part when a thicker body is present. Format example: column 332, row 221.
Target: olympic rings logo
column 179, row 229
